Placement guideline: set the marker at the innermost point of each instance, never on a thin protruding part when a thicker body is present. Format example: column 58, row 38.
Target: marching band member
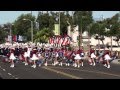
column 21, row 54
column 29, row 54
column 107, row 59
column 12, row 57
column 53, row 56
column 60, row 57
column 93, row 56
column 66, row 57
column 69, row 57
column 77, row 59
column 40, row 59
column 82, row 57
column 26, row 55
column 56, row 57
column 73, row 56
column 46, row 56
column 34, row 57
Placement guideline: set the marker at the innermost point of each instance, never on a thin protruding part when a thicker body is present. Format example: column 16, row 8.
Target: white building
column 75, row 33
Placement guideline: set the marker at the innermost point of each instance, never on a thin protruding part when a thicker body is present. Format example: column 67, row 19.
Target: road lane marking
column 9, row 74
column 62, row 73
column 88, row 71
column 4, row 70
column 12, row 76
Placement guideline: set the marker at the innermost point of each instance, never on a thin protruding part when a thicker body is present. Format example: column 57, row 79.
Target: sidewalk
column 116, row 61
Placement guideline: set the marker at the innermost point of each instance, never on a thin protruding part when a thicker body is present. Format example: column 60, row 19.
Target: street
column 57, row 72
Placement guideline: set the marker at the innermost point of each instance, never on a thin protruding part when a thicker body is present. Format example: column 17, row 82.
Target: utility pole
column 89, row 37
column 31, row 29
column 10, row 33
column 59, row 21
column 111, row 39
column 81, row 32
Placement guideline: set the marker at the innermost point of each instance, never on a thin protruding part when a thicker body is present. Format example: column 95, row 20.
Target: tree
column 47, row 20
column 23, row 27
column 83, row 19
column 63, row 23
column 94, row 29
column 3, row 34
column 43, row 35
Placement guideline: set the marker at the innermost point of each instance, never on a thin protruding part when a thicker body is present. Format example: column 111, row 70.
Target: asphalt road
column 57, row 72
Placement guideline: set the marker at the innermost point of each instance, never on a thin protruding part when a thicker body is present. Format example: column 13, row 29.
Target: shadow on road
column 0, row 78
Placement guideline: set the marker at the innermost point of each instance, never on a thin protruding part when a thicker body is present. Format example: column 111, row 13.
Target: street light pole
column 111, row 39
column 10, row 34
column 111, row 43
column 99, row 38
column 59, row 21
column 89, row 37
column 81, row 33
column 32, row 31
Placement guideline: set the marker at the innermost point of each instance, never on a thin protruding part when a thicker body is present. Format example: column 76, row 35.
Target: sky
column 11, row 16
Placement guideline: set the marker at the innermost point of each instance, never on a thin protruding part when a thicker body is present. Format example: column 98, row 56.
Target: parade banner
column 60, row 40
column 56, row 31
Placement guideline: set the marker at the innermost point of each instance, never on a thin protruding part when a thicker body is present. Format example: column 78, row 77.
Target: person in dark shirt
column 60, row 57
column 46, row 56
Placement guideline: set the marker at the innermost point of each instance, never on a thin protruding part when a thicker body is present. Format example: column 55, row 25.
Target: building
column 74, row 34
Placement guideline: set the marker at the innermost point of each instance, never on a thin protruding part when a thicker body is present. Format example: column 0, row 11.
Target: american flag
column 61, row 40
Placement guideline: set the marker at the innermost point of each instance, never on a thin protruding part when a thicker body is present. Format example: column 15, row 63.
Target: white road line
column 62, row 73
column 4, row 70
column 98, row 72
column 9, row 74
column 12, row 76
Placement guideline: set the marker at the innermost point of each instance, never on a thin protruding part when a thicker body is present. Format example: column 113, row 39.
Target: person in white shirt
column 26, row 55
column 34, row 57
column 12, row 57
column 93, row 56
column 77, row 59
column 107, row 60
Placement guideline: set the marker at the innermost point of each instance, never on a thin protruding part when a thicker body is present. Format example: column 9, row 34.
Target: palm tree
column 43, row 35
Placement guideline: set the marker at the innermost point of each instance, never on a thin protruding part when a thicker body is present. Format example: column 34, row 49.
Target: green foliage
column 3, row 34
column 94, row 29
column 83, row 19
column 113, row 25
column 43, row 35
column 23, row 27
column 47, row 20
